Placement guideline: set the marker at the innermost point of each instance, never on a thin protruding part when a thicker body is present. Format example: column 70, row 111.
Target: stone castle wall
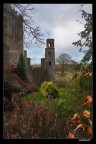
column 11, row 56
column 12, row 34
column 13, row 45
column 28, row 67
column 36, row 75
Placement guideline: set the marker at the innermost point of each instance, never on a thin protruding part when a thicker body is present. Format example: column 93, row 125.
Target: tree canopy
column 62, row 60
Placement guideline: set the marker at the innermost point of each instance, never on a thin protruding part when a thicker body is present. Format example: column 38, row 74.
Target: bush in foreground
column 31, row 120
column 49, row 89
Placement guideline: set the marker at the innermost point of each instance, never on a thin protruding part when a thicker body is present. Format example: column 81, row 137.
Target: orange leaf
column 71, row 135
column 90, row 123
column 89, row 102
column 90, row 74
column 89, row 131
column 86, row 74
column 87, row 96
column 83, row 103
column 86, row 113
column 76, row 117
column 79, row 126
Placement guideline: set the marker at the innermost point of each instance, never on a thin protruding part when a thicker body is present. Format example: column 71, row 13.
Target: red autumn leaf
column 87, row 96
column 89, row 132
column 86, row 113
column 79, row 126
column 83, row 103
column 71, row 135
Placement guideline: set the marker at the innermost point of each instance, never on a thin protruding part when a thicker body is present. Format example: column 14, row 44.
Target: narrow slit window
column 49, row 63
column 49, row 53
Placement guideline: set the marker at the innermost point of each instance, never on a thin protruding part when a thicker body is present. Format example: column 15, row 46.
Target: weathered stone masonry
column 48, row 62
column 12, row 34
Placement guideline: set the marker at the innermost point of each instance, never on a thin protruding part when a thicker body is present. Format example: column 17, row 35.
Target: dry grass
column 65, row 80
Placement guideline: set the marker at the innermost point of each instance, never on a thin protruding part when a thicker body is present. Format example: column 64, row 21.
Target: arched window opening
column 49, row 44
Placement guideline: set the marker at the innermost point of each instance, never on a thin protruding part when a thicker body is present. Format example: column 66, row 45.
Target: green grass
column 69, row 101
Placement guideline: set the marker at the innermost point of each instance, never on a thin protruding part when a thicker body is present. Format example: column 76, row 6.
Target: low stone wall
column 39, row 75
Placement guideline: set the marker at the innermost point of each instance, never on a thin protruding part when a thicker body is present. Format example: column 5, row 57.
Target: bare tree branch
column 31, row 31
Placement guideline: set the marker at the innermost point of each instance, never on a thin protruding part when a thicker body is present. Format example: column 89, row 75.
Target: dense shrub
column 49, row 89
column 7, row 90
column 31, row 120
column 16, row 88
column 85, row 83
column 74, row 76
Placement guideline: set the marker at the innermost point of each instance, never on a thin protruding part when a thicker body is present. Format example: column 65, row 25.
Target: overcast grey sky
column 58, row 21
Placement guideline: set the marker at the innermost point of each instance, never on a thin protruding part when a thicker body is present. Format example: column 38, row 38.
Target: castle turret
column 50, row 59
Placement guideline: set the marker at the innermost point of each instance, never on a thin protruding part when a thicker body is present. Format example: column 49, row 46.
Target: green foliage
column 7, row 90
column 74, row 76
column 86, row 37
column 62, row 60
column 66, row 102
column 20, row 69
column 85, row 84
column 49, row 89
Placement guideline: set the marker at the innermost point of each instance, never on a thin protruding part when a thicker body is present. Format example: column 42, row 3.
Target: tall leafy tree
column 62, row 60
column 20, row 69
column 86, row 37
column 85, row 81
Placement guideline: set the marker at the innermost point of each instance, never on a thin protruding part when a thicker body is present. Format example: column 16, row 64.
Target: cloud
column 58, row 21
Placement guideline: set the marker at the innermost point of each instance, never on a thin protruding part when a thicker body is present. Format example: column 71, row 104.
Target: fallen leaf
column 86, row 113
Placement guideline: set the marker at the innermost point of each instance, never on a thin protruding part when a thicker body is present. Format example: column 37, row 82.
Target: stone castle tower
column 12, row 34
column 48, row 62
